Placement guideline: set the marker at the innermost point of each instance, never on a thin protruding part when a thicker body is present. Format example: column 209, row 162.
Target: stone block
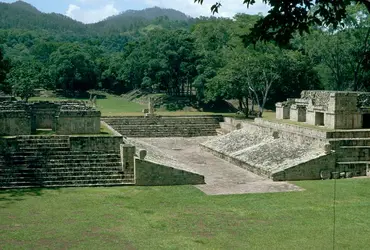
column 297, row 113
column 282, row 111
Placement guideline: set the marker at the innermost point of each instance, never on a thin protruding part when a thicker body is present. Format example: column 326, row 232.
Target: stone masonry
column 65, row 118
column 331, row 109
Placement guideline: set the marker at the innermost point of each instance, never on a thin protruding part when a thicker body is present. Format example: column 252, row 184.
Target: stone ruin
column 330, row 109
column 284, row 151
column 77, row 154
column 4, row 97
column 64, row 118
column 150, row 111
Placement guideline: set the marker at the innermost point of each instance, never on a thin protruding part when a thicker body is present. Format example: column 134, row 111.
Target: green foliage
column 286, row 17
column 73, row 69
column 164, row 51
column 24, row 78
column 4, row 69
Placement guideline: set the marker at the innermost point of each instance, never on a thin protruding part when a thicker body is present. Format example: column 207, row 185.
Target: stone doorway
column 319, row 119
column 366, row 121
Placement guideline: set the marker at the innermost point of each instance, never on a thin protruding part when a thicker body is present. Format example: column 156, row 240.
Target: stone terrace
column 165, row 126
column 285, row 151
column 55, row 161
column 261, row 152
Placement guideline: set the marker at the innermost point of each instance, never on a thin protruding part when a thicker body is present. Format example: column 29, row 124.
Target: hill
column 134, row 19
column 21, row 15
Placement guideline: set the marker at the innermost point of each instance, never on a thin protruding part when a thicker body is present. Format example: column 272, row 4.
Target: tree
column 24, row 78
column 286, row 17
column 4, row 69
column 340, row 55
column 73, row 69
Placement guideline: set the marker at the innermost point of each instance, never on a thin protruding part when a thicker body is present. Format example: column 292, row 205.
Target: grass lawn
column 112, row 105
column 182, row 217
column 118, row 106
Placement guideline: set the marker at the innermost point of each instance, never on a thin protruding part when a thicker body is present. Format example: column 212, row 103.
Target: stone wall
column 77, row 122
column 331, row 109
column 309, row 170
column 65, row 118
column 14, row 119
column 43, row 114
column 153, row 174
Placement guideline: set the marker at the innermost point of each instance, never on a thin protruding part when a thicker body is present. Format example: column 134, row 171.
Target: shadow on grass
column 10, row 196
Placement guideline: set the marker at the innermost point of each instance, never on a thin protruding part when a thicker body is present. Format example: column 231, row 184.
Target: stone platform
column 165, row 126
column 283, row 151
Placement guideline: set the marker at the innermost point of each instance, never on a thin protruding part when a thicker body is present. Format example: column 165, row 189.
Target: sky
column 90, row 11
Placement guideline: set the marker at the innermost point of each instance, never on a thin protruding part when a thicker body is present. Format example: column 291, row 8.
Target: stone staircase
column 184, row 126
column 353, row 154
column 47, row 161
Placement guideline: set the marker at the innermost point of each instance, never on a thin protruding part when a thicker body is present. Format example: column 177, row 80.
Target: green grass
column 182, row 217
column 112, row 105
column 117, row 106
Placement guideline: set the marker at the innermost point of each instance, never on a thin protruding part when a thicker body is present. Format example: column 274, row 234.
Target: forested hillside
column 164, row 51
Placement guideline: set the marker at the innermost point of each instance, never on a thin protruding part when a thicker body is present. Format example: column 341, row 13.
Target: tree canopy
column 286, row 17
column 204, row 61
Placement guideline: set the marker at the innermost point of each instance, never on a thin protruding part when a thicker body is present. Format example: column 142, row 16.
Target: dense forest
column 164, row 51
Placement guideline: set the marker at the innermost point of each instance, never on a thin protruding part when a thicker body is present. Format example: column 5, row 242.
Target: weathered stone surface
column 331, row 109
column 153, row 174
column 20, row 118
column 165, row 126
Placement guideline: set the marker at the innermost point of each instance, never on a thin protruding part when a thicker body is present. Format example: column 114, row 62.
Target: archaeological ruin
column 330, row 109
column 321, row 135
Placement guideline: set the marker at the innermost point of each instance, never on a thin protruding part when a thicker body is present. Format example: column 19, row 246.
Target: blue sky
column 89, row 11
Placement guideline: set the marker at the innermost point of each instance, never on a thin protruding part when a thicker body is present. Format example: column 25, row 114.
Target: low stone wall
column 287, row 130
column 153, row 174
column 309, row 170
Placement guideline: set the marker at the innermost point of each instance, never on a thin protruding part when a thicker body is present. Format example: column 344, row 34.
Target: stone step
column 70, row 165
column 60, row 177
column 160, row 126
column 353, row 153
column 355, row 147
column 28, row 185
column 38, row 140
column 168, row 124
column 55, row 149
column 42, row 137
column 352, row 142
column 161, row 121
column 101, row 157
column 63, row 153
column 345, row 134
column 30, row 170
column 75, row 183
column 358, row 168
column 43, row 144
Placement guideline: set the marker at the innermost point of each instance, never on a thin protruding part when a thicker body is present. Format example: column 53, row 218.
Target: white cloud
column 228, row 9
column 90, row 11
column 91, row 14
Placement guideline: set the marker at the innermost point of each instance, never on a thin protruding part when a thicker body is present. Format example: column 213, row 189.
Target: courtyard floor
column 221, row 176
